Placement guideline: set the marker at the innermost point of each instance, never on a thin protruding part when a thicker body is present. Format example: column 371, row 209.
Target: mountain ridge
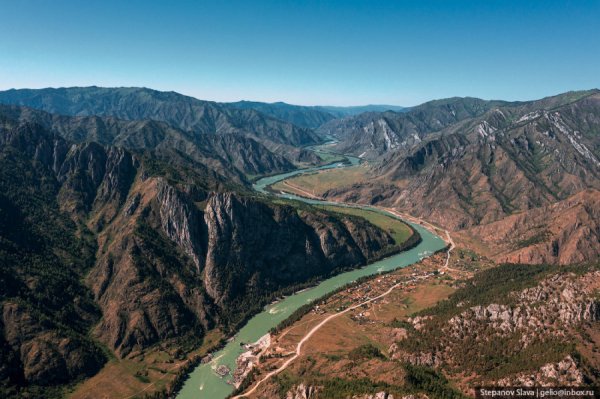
column 112, row 251
column 179, row 111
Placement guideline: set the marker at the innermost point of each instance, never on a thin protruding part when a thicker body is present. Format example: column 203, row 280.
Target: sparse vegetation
column 399, row 230
column 507, row 355
column 365, row 352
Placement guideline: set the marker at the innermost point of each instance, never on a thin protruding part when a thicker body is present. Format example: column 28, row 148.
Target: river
column 204, row 383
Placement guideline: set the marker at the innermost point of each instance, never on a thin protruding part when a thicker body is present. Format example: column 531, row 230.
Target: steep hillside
column 508, row 160
column 372, row 134
column 46, row 310
column 565, row 232
column 303, row 116
column 182, row 112
column 106, row 248
column 311, row 116
column 514, row 325
column 233, row 156
column 503, row 162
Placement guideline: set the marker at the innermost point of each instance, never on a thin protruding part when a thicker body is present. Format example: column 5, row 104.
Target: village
column 271, row 351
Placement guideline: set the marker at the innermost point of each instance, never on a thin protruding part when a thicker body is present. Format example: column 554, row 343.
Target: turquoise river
column 204, row 383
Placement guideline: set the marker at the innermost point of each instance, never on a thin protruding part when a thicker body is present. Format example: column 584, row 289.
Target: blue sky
column 310, row 52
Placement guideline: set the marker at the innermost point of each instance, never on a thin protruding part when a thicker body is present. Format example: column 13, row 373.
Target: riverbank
column 361, row 310
column 204, row 382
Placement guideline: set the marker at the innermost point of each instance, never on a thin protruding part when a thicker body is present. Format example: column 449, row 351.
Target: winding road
column 316, row 328
column 204, row 378
column 307, row 337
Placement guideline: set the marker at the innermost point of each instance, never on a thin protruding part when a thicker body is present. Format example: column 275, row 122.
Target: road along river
column 205, row 383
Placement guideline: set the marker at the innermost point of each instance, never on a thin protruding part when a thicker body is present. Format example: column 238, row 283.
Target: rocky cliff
column 269, row 247
column 99, row 239
column 508, row 162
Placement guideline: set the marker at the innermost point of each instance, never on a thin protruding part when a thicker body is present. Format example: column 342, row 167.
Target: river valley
column 205, row 382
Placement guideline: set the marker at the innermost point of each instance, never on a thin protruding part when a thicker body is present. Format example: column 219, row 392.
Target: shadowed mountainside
column 233, row 156
column 188, row 114
column 105, row 247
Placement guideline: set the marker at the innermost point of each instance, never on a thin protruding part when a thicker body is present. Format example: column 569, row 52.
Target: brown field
column 139, row 375
column 319, row 182
column 328, row 352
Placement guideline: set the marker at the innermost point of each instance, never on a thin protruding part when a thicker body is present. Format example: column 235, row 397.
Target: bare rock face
column 180, row 222
column 302, row 391
column 564, row 373
column 427, row 359
column 147, row 281
column 266, row 246
column 378, row 395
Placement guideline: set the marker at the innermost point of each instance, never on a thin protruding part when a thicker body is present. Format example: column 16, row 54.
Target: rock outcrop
column 268, row 247
column 537, row 321
column 99, row 243
column 302, row 391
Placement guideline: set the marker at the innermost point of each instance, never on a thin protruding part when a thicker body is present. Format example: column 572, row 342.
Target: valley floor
column 326, row 341
column 142, row 374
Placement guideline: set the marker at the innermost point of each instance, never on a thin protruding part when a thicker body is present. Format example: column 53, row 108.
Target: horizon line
column 291, row 103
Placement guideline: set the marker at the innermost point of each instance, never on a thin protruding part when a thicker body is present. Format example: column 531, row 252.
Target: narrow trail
column 307, row 337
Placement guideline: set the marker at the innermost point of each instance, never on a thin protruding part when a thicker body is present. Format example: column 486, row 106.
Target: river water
column 204, row 383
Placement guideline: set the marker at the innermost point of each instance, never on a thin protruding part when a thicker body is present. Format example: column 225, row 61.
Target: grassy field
column 399, row 230
column 328, row 157
column 319, row 182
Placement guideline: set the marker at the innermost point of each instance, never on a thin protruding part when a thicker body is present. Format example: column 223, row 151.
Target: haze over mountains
column 311, row 116
column 127, row 218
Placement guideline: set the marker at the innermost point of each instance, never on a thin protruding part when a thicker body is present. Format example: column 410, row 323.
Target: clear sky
column 306, row 52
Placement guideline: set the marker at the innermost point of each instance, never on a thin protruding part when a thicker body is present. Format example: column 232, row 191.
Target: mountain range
column 310, row 116
column 109, row 248
column 167, row 119
column 127, row 219
column 467, row 162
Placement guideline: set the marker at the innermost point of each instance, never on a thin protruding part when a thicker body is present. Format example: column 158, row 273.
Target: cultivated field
column 330, row 179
